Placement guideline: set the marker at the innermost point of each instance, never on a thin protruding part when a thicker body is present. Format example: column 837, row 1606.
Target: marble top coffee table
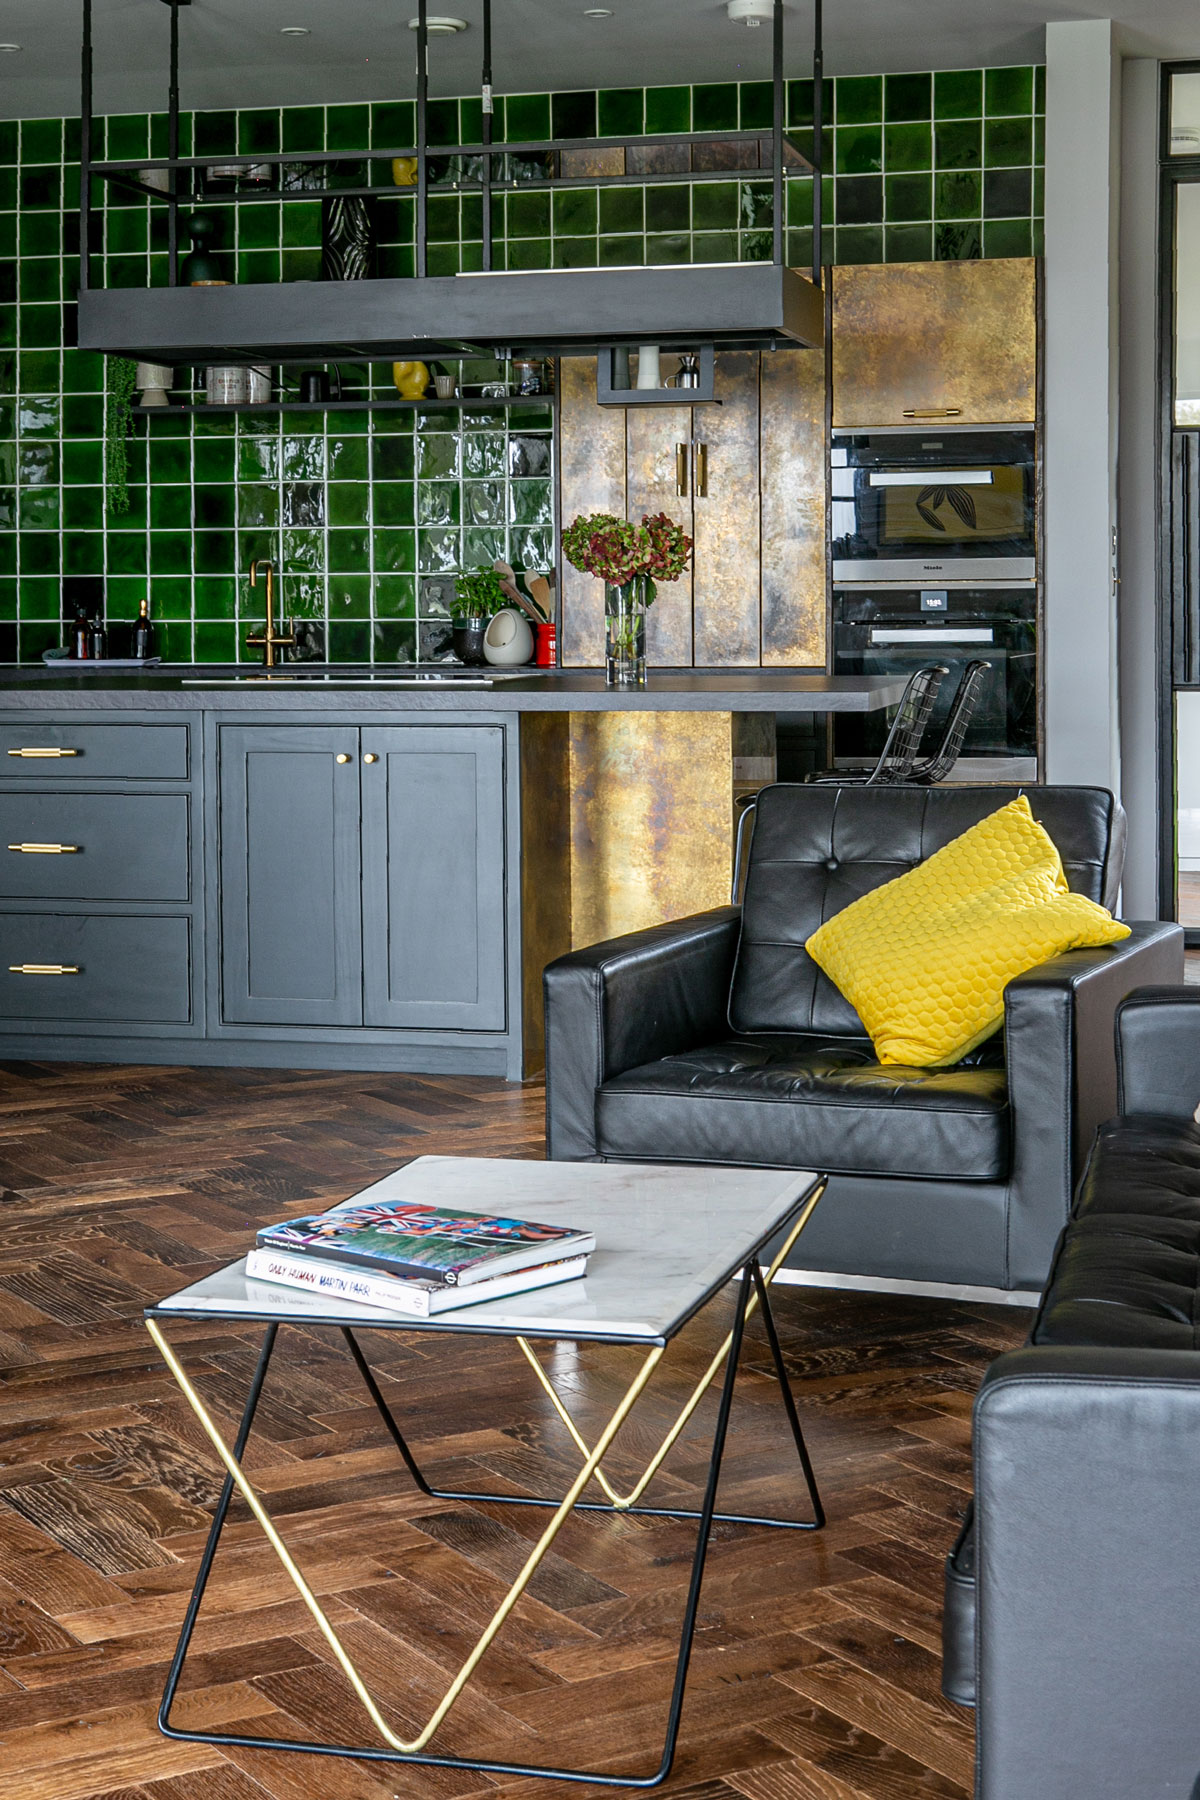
column 668, row 1240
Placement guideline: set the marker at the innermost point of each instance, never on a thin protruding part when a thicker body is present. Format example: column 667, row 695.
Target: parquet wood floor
column 815, row 1675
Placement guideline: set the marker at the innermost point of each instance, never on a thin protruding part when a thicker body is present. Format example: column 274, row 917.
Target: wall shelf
column 470, row 404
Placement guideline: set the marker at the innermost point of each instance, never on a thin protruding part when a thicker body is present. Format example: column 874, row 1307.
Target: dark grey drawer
column 60, row 749
column 82, row 846
column 135, row 970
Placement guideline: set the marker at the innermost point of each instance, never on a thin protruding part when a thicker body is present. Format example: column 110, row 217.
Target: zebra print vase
column 347, row 238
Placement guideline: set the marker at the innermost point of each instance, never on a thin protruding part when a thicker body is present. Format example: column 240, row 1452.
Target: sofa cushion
column 815, row 849
column 1127, row 1270
column 808, row 1104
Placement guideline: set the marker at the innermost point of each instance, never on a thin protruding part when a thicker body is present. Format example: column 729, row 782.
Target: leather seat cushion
column 793, row 1102
column 1127, row 1271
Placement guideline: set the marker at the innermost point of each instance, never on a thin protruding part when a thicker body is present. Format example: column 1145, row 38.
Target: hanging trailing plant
column 118, row 408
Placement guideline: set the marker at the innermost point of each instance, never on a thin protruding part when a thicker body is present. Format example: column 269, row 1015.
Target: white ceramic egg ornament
column 508, row 639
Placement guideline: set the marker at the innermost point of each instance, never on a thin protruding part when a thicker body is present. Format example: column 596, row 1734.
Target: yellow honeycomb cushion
column 924, row 960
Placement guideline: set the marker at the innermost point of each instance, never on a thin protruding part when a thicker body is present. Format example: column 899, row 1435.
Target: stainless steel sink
column 438, row 675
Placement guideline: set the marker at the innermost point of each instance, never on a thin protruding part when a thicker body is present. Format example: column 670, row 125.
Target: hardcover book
column 434, row 1243
column 416, row 1299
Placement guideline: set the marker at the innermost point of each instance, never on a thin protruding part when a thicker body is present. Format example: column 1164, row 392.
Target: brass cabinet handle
column 681, row 469
column 43, row 752
column 370, row 757
column 46, row 849
column 700, row 482
column 341, row 757
column 44, row 969
column 932, row 412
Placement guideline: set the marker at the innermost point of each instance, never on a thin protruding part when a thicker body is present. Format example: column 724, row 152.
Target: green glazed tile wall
column 369, row 515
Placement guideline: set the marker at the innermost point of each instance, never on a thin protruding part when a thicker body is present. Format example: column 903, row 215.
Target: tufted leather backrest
column 817, row 848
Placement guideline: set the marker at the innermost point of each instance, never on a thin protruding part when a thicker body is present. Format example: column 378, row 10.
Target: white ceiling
column 233, row 54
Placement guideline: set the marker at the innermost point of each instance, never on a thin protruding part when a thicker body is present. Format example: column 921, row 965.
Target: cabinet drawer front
column 130, row 970
column 93, row 846
column 60, row 750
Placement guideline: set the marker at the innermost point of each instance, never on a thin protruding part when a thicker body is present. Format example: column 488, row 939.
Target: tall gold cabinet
column 746, row 479
column 940, row 340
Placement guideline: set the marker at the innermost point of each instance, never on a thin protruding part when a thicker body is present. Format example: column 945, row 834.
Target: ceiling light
column 9, row 49
column 294, row 31
column 439, row 27
column 750, row 12
column 597, row 12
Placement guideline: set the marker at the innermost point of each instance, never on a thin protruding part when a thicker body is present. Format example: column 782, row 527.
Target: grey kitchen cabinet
column 433, row 886
column 289, row 875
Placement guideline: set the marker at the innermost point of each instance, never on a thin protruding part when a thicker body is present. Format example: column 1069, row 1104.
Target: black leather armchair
column 717, row 1039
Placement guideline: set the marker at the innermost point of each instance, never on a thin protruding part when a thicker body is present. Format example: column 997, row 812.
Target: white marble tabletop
column 667, row 1238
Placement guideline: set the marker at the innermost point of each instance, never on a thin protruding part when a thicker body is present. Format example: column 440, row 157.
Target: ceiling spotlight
column 439, row 27
column 597, row 12
column 294, row 31
column 9, row 49
column 750, row 12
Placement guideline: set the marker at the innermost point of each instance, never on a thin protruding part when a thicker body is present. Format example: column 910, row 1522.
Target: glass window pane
column 1185, row 115
column 1187, row 305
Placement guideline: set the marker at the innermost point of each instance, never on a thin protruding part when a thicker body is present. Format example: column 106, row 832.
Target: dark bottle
column 143, row 633
column 79, row 636
column 97, row 641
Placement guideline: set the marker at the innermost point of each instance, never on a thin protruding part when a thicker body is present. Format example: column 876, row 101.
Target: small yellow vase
column 411, row 379
column 404, row 171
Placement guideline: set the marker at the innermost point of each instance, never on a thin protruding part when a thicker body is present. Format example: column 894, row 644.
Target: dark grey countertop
column 180, row 686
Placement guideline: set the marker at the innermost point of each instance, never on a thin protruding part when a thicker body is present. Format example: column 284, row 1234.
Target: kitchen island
column 345, row 868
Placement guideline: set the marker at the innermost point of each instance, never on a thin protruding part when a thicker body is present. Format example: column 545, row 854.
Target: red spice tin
column 547, row 636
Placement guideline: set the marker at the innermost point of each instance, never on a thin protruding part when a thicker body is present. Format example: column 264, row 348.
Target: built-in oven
column 934, row 505
column 889, row 631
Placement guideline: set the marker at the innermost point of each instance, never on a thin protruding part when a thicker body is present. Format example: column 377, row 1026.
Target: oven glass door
column 918, row 508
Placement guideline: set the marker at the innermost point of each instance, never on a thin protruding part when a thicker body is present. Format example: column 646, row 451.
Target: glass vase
column 625, row 633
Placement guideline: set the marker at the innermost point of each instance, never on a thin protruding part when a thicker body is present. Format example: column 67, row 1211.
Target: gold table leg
column 238, row 1476
column 622, row 1501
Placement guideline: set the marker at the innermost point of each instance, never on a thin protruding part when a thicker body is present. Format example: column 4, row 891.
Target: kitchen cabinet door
column 954, row 341
column 289, row 875
column 434, row 936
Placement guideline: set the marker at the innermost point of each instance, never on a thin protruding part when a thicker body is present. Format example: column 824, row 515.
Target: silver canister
column 227, row 386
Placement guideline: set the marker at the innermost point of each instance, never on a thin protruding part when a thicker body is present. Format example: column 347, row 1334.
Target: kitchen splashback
column 369, row 513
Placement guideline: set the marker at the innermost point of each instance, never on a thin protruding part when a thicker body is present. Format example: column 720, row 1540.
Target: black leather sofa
column 716, row 1039
column 1082, row 1556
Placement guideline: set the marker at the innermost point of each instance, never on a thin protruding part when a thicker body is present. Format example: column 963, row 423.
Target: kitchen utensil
column 540, row 594
column 508, row 584
column 508, row 640
column 648, row 373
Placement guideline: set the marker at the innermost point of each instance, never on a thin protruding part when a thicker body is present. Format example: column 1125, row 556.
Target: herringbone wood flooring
column 816, row 1668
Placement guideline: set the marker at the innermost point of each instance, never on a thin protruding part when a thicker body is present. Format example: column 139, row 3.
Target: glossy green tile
column 215, row 642
column 1008, row 237
column 443, row 219
column 393, row 124
column 349, row 503
column 1007, row 192
column 82, row 415
column 957, row 242
column 41, row 140
column 858, row 149
column 621, row 209
column 38, row 597
column 908, row 243
column 215, row 596
column 349, row 550
column 575, row 212
column 907, row 147
column 170, row 552
column 349, row 641
column 1039, row 88
column 394, row 642
column 756, row 106
column 907, row 97
column 40, row 189
column 859, row 200
column 575, row 253
column 1008, row 90
column 393, row 503
column 82, row 509
column 9, row 141
column 175, row 641
column 957, row 195
column 349, row 597
column 668, row 208
column 714, row 107
column 908, row 197
column 527, row 215
column 38, row 509
column 1007, row 142
column 83, row 553
column 444, row 259
column 621, row 112
column 443, row 122
column 303, row 128
column 40, row 551
column 525, row 118
column 529, row 253
column 347, row 128
column 215, row 133
column 958, row 145
column 858, row 99
column 715, row 205
column 258, row 130
column 670, row 109
column 573, row 115
column 212, row 552
column 669, row 248
column 957, row 94
column 621, row 252
column 171, row 507
column 301, row 223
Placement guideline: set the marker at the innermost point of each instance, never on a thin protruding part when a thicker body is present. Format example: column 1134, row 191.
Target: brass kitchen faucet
column 271, row 640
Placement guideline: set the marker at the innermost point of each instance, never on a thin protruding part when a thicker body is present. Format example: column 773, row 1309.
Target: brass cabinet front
column 952, row 342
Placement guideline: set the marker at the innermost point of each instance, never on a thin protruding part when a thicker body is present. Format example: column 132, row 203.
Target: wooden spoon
column 539, row 589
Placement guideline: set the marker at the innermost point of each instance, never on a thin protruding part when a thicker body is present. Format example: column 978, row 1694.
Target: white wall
column 1082, row 167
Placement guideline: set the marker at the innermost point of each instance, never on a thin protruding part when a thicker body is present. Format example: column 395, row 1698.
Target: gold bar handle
column 43, row 752
column 700, row 482
column 44, row 969
column 681, row 470
column 46, row 849
column 932, row 412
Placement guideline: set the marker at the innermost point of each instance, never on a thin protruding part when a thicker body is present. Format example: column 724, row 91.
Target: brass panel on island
column 651, row 799
column 953, row 341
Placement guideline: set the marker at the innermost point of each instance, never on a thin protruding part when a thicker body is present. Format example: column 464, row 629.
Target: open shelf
column 357, row 406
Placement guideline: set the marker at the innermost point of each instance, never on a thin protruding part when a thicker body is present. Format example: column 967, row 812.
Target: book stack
column 416, row 1259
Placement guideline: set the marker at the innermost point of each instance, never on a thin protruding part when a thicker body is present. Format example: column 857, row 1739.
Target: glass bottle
column 79, row 636
column 143, row 632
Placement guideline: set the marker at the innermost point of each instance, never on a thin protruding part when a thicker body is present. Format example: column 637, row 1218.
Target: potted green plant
column 630, row 560
column 479, row 595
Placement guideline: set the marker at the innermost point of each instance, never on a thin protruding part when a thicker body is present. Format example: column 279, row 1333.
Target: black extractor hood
column 743, row 305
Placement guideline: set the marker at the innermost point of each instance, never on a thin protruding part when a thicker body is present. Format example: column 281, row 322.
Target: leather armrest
column 1087, row 1515
column 626, row 1002
column 1158, row 1051
column 1062, row 1081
